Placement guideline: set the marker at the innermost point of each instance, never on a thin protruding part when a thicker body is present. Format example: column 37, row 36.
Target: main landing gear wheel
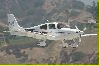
column 72, row 43
column 42, row 43
column 65, row 45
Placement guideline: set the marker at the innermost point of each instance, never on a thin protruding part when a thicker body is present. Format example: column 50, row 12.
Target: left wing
column 88, row 35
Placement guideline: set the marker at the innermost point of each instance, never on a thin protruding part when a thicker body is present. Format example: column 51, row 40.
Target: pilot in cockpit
column 62, row 25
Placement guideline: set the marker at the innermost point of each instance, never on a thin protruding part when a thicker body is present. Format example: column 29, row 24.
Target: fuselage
column 54, row 31
column 50, row 31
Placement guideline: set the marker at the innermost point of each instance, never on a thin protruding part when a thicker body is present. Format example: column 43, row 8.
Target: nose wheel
column 71, row 43
column 76, row 42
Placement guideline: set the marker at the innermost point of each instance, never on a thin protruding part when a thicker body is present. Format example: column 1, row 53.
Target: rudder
column 13, row 24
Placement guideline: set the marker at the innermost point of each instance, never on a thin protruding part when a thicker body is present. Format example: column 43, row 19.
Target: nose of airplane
column 79, row 32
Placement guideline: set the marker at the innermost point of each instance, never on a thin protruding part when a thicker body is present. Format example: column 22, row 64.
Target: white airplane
column 50, row 31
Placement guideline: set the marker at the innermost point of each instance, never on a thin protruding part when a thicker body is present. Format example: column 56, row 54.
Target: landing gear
column 79, row 39
column 74, row 47
column 42, row 43
column 75, row 43
column 72, row 43
column 65, row 45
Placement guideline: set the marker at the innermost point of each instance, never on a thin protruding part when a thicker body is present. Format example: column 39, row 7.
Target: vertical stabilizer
column 13, row 24
column 14, row 27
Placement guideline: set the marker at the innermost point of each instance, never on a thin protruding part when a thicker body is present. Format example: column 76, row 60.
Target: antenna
column 47, row 20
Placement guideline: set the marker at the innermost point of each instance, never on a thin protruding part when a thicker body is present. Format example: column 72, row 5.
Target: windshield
column 43, row 27
column 60, row 25
column 52, row 26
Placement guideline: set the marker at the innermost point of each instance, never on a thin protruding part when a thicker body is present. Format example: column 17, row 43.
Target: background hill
column 34, row 12
column 23, row 50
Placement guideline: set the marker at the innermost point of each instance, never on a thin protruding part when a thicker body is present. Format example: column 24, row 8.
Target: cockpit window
column 43, row 27
column 52, row 26
column 60, row 25
column 72, row 27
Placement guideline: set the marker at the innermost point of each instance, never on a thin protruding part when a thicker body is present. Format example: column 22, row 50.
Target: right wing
column 88, row 35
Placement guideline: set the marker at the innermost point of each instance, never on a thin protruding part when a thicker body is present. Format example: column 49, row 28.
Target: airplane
column 50, row 31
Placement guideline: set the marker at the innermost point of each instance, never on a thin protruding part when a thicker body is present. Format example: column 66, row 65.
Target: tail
column 13, row 24
column 14, row 27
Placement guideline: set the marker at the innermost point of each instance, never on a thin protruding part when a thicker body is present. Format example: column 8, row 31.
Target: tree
column 38, row 3
column 73, row 9
column 76, row 4
column 93, row 9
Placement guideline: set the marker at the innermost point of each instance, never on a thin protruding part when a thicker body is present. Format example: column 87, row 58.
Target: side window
column 59, row 25
column 52, row 26
column 43, row 27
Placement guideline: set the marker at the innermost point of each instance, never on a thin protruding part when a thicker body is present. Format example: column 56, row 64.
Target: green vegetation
column 2, row 43
column 2, row 14
column 1, row 29
column 77, row 4
column 32, row 13
column 38, row 3
column 95, row 60
column 78, row 56
column 74, row 13
column 89, row 26
column 21, row 40
column 10, row 39
column 93, row 9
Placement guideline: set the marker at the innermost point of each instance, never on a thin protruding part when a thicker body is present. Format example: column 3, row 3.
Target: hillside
column 86, row 53
column 23, row 50
column 34, row 12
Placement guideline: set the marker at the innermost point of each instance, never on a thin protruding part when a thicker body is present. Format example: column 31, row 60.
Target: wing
column 88, row 35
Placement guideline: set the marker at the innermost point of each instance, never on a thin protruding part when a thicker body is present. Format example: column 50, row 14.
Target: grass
column 21, row 40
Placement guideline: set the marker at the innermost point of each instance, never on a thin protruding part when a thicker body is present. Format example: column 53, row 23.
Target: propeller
column 76, row 27
column 80, row 32
column 47, row 20
column 84, row 29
